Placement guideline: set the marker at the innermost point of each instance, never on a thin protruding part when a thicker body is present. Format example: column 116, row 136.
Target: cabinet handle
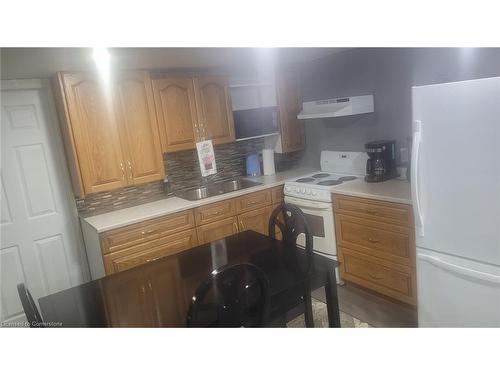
column 373, row 240
column 242, row 225
column 152, row 260
column 123, row 171
column 146, row 232
column 235, row 226
column 130, row 168
column 371, row 212
column 150, row 286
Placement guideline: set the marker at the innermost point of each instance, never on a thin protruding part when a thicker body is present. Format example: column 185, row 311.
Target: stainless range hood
column 337, row 107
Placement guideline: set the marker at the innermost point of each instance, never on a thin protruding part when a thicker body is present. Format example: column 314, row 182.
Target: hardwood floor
column 372, row 309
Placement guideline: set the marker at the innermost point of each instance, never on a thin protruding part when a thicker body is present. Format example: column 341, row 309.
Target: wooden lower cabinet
column 256, row 220
column 391, row 279
column 127, row 301
column 167, row 283
column 217, row 230
column 149, row 251
column 134, row 299
column 376, row 246
column 137, row 244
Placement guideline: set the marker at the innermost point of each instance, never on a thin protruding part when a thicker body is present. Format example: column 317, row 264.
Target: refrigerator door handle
column 417, row 140
column 459, row 269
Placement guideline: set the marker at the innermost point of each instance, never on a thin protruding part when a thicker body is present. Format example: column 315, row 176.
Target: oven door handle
column 307, row 204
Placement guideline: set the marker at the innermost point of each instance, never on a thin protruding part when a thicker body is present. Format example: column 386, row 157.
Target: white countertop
column 136, row 214
column 397, row 191
column 392, row 191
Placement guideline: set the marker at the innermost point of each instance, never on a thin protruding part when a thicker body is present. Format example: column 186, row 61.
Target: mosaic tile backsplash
column 183, row 172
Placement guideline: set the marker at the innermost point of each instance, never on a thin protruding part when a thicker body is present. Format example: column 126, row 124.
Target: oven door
column 319, row 216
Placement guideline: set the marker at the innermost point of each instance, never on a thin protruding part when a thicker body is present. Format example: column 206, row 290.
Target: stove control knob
column 288, row 188
column 313, row 193
column 297, row 190
column 302, row 190
column 308, row 191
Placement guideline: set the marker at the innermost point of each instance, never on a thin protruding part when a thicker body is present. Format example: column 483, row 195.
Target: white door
column 41, row 241
column 456, row 168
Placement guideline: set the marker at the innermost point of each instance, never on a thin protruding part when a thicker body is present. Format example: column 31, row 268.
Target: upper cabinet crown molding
column 110, row 132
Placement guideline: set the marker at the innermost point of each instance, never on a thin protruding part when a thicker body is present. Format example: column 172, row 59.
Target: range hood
column 347, row 106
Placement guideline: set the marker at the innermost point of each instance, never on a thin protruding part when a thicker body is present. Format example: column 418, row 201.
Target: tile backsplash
column 183, row 171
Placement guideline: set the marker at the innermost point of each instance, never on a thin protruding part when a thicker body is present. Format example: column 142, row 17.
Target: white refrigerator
column 455, row 183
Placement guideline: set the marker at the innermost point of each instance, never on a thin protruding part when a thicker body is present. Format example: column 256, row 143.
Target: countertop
column 397, row 191
column 170, row 205
column 392, row 191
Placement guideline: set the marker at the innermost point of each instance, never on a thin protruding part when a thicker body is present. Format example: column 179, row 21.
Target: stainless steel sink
column 216, row 189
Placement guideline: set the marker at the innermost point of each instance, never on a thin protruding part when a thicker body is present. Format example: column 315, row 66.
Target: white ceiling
column 44, row 62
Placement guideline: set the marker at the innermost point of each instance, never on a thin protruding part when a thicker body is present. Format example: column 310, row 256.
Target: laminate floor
column 370, row 308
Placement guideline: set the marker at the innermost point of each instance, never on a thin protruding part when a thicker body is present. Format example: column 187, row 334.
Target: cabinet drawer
column 384, row 277
column 391, row 242
column 253, row 201
column 215, row 211
column 131, row 235
column 149, row 251
column 394, row 213
column 217, row 230
column 277, row 194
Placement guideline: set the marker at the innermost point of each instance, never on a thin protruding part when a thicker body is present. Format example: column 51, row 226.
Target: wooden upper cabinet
column 214, row 109
column 290, row 105
column 139, row 129
column 110, row 130
column 176, row 112
column 91, row 133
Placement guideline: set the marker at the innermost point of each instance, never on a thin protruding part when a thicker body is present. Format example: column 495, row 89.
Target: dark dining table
column 158, row 294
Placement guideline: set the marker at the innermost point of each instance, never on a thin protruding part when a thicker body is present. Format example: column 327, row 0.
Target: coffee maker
column 381, row 164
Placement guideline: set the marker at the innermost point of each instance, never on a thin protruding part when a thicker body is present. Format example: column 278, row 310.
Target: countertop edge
column 377, row 197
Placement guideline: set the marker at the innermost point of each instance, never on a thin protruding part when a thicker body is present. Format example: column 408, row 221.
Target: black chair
column 233, row 296
column 29, row 307
column 292, row 222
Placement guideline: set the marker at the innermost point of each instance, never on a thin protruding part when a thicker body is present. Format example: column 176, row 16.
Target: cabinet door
column 93, row 132
column 176, row 111
column 256, row 220
column 138, row 127
column 290, row 104
column 168, row 303
column 214, row 109
column 127, row 302
column 218, row 230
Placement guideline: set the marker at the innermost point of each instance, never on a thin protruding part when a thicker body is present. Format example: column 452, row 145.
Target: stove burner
column 347, row 178
column 305, row 179
column 320, row 175
column 330, row 182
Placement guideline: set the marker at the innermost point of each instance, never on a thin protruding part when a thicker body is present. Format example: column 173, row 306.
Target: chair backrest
column 292, row 222
column 32, row 315
column 233, row 296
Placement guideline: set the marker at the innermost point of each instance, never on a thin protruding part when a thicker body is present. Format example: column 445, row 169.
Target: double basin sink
column 218, row 188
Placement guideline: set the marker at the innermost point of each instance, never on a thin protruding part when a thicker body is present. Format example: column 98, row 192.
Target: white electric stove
column 313, row 195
